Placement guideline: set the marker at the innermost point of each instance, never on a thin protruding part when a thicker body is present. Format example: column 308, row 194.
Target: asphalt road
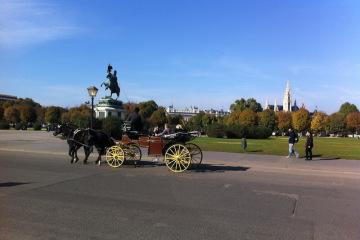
column 43, row 196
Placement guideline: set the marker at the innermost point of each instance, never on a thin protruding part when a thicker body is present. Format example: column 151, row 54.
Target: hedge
column 37, row 126
column 238, row 131
column 4, row 125
column 216, row 130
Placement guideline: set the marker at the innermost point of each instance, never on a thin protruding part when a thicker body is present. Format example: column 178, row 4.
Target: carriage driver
column 135, row 120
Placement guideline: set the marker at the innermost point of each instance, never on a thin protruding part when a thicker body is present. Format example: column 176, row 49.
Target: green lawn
column 347, row 148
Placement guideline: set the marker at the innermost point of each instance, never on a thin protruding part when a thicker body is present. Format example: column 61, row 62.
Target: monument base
column 108, row 107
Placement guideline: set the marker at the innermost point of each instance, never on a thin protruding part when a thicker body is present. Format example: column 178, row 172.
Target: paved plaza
column 232, row 196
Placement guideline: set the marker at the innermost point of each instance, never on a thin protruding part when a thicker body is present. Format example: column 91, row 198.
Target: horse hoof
column 85, row 163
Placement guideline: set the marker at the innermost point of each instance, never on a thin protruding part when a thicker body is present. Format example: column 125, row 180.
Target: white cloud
column 25, row 22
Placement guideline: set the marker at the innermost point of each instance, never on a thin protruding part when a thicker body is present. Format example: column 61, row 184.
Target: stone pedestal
column 109, row 107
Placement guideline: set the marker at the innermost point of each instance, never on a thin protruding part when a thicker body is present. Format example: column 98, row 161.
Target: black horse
column 70, row 132
column 96, row 138
column 87, row 138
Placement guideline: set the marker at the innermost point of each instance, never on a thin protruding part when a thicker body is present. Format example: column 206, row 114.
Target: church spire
column 276, row 109
column 266, row 104
column 287, row 98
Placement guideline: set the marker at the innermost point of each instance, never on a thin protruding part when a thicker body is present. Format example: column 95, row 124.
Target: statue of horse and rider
column 112, row 82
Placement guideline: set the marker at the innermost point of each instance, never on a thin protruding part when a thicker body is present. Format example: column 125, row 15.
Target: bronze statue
column 112, row 82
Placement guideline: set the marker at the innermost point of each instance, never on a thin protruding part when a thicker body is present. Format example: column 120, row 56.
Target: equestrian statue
column 112, row 82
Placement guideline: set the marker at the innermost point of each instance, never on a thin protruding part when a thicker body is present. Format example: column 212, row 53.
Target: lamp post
column 92, row 93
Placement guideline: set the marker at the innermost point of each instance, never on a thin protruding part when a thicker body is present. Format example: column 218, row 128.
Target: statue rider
column 113, row 83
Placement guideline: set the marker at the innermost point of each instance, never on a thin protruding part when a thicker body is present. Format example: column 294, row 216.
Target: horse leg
column 71, row 152
column 87, row 153
column 70, row 144
column 98, row 161
column 76, row 148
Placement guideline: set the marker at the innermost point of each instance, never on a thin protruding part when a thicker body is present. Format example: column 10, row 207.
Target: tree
column 195, row 122
column 147, row 109
column 253, row 105
column 158, row 117
column 347, row 108
column 79, row 116
column 208, row 119
column 11, row 115
column 318, row 122
column 267, row 119
column 248, row 118
column 336, row 123
column 53, row 114
column 40, row 113
column 242, row 104
column 233, row 118
column 301, row 120
column 1, row 113
column 239, row 105
column 175, row 119
column 129, row 108
column 284, row 121
column 353, row 122
column 27, row 113
column 112, row 126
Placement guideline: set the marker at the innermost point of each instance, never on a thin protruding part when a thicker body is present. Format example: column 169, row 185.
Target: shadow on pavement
column 142, row 163
column 12, row 184
column 254, row 151
column 326, row 158
column 218, row 168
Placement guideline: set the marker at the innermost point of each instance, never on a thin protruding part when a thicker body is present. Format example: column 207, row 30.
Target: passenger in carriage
column 135, row 120
column 179, row 128
column 164, row 132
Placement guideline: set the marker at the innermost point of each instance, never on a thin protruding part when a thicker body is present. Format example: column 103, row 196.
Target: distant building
column 287, row 105
column 4, row 97
column 108, row 107
column 187, row 113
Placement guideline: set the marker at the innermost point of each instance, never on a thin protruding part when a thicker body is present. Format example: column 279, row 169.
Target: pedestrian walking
column 309, row 144
column 244, row 144
column 293, row 138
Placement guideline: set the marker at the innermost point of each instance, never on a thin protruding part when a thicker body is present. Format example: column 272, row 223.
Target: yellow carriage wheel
column 177, row 158
column 132, row 152
column 196, row 154
column 115, row 156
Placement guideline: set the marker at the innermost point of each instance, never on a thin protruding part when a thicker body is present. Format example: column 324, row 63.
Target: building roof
column 5, row 97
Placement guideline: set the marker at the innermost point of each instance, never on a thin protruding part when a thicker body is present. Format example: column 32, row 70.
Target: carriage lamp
column 92, row 93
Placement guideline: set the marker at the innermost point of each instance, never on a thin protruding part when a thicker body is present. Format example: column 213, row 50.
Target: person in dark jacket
column 135, row 120
column 309, row 144
column 293, row 138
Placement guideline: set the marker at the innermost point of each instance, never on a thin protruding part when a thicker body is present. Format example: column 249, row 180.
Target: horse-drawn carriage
column 179, row 154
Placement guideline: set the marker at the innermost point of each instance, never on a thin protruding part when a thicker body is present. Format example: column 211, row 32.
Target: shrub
column 112, row 126
column 235, row 131
column 4, row 125
column 216, row 130
column 21, row 126
column 258, row 132
column 37, row 126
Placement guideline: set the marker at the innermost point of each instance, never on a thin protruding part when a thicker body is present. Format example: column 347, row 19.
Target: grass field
column 346, row 148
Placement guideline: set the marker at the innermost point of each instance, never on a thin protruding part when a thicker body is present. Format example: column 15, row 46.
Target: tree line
column 247, row 118
column 249, row 114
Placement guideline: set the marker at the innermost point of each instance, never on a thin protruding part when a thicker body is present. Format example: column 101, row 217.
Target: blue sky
column 182, row 52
